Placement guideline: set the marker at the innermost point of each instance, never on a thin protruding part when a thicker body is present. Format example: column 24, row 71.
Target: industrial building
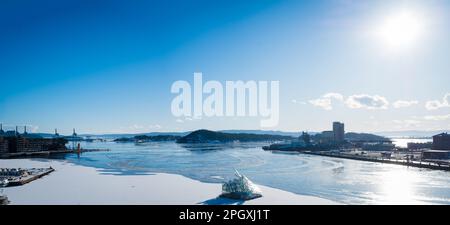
column 436, row 154
column 15, row 142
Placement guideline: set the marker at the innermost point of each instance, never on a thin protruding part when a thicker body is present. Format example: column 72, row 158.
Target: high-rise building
column 338, row 131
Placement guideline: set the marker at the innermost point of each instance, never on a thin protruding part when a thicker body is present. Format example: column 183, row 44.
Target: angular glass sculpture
column 240, row 188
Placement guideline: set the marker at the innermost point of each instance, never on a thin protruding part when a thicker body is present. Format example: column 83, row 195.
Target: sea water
column 342, row 180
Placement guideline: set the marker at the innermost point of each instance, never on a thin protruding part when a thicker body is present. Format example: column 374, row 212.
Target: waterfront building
column 14, row 142
column 337, row 135
column 9, row 133
column 417, row 146
column 3, row 145
column 441, row 141
column 328, row 134
column 436, row 154
column 305, row 138
column 338, row 131
column 24, row 144
column 377, row 146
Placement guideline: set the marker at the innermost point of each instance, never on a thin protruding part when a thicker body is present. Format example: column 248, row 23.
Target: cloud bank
column 437, row 117
column 325, row 101
column 367, row 102
column 404, row 104
column 361, row 101
column 436, row 104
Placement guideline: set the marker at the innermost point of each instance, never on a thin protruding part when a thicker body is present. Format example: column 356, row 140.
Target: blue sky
column 107, row 66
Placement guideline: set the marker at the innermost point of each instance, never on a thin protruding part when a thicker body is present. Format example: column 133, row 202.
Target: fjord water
column 342, row 180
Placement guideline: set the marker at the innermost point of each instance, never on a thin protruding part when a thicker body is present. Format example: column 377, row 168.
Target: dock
column 435, row 165
column 23, row 176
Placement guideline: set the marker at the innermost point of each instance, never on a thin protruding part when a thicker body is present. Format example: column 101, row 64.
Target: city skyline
column 374, row 65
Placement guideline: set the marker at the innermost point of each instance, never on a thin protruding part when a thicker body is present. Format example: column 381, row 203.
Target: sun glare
column 401, row 30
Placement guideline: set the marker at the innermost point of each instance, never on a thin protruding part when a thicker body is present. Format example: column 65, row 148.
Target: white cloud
column 295, row 101
column 403, row 103
column 436, row 104
column 336, row 96
column 437, row 117
column 179, row 121
column 155, row 126
column 367, row 102
column 354, row 101
column 325, row 101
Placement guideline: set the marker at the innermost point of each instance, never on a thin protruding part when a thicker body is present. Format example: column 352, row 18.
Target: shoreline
column 75, row 184
column 25, row 155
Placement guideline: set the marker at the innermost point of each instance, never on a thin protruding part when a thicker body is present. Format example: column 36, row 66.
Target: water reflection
column 398, row 187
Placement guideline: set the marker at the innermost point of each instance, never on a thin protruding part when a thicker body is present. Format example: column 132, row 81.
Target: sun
column 401, row 30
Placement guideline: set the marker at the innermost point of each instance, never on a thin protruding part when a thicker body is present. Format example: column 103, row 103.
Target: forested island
column 207, row 136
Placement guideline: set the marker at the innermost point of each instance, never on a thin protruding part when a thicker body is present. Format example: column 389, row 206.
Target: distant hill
column 207, row 136
column 411, row 133
column 351, row 136
column 145, row 138
column 271, row 132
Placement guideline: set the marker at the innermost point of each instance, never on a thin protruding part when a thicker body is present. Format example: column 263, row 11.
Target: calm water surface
column 346, row 181
column 403, row 142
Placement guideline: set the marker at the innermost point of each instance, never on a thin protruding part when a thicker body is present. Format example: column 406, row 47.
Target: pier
column 436, row 165
column 18, row 177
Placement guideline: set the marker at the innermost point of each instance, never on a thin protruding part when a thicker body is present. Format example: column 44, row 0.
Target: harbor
column 370, row 148
column 14, row 144
column 368, row 167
